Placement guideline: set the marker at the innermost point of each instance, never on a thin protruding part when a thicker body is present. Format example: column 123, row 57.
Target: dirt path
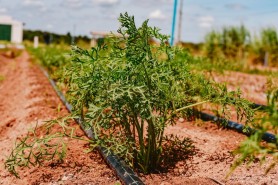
column 26, row 98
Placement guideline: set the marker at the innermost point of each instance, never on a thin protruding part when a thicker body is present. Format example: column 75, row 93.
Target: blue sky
column 199, row 17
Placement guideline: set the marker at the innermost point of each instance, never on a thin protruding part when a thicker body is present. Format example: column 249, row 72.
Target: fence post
column 36, row 42
column 266, row 59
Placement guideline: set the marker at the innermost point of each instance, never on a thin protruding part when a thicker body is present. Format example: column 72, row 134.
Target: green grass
column 201, row 64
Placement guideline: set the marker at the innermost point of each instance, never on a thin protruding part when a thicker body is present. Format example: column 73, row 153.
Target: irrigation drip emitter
column 268, row 137
column 122, row 170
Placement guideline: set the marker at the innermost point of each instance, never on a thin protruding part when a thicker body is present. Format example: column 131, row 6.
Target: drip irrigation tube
column 259, row 106
column 268, row 137
column 123, row 171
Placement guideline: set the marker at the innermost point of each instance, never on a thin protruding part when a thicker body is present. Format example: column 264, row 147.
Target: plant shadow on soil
column 176, row 152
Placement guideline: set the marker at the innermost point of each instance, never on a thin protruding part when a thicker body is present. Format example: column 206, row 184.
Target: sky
column 80, row 17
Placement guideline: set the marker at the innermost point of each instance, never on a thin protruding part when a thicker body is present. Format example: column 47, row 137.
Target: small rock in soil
column 181, row 120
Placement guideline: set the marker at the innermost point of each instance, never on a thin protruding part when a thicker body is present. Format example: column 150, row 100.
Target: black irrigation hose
column 258, row 106
column 123, row 171
column 268, row 137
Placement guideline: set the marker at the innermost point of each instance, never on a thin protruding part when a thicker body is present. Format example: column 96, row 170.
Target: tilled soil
column 213, row 159
column 27, row 99
column 253, row 86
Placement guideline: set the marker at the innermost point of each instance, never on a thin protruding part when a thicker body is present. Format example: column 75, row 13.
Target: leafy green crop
column 128, row 91
column 266, row 45
column 52, row 57
column 254, row 148
column 231, row 42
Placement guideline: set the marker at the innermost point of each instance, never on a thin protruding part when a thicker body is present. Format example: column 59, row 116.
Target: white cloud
column 205, row 24
column 235, row 6
column 3, row 10
column 157, row 14
column 44, row 9
column 33, row 3
column 106, row 2
column 206, row 21
column 72, row 3
column 49, row 26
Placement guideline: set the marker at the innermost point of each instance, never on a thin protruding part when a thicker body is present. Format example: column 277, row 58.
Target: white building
column 101, row 35
column 11, row 30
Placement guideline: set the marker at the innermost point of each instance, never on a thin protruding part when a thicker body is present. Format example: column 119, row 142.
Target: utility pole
column 180, row 21
column 174, row 22
column 266, row 59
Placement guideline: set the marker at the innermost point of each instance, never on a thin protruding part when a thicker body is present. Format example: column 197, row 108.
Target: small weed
column 2, row 78
column 59, row 108
column 253, row 148
column 45, row 143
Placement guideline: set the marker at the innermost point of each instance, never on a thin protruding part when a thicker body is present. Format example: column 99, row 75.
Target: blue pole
column 174, row 22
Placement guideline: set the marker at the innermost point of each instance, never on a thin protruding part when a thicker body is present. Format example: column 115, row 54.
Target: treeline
column 236, row 43
column 48, row 37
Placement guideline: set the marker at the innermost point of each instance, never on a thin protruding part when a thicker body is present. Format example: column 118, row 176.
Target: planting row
column 129, row 91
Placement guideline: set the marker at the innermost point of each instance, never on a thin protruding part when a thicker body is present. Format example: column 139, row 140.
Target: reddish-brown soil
column 27, row 98
column 253, row 86
column 213, row 159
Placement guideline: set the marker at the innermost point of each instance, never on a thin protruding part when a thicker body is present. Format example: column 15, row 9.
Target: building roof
column 9, row 20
